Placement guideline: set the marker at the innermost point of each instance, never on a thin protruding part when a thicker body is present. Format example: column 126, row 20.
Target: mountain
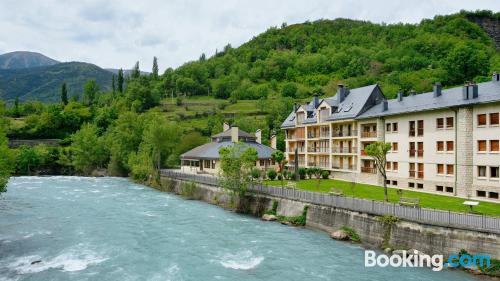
column 44, row 83
column 126, row 72
column 20, row 60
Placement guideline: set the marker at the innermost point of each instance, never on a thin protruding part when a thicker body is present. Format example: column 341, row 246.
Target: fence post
column 449, row 217
column 373, row 206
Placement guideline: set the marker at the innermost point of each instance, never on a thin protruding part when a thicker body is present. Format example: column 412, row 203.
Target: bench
column 336, row 191
column 412, row 202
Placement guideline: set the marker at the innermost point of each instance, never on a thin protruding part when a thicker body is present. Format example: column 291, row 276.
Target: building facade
column 444, row 141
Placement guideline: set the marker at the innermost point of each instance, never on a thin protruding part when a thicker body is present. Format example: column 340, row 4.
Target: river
column 76, row 228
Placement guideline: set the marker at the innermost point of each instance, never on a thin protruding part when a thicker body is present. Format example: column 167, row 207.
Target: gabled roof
column 210, row 151
column 487, row 92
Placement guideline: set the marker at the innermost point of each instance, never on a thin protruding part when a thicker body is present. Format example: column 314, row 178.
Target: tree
column 236, row 163
column 27, row 160
column 465, row 62
column 120, row 81
column 88, row 149
column 279, row 158
column 17, row 111
column 154, row 72
column 113, row 86
column 162, row 137
column 289, row 90
column 202, row 57
column 7, row 161
column 136, row 72
column 90, row 91
column 64, row 94
column 378, row 151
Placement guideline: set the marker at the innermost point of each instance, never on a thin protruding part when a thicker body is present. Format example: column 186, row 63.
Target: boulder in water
column 268, row 217
column 340, row 235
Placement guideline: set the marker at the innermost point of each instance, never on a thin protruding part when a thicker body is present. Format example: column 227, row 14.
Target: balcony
column 324, row 135
column 344, row 167
column 312, row 135
column 345, row 149
column 318, row 164
column 318, row 149
column 368, row 134
column 369, row 170
column 299, row 149
column 341, row 134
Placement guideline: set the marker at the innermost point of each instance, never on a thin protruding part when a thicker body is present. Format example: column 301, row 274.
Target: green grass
column 373, row 192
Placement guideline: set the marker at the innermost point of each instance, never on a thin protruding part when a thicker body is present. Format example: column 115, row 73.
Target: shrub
column 178, row 101
column 302, row 173
column 280, row 177
column 353, row 235
column 325, row 174
column 271, row 174
column 255, row 173
column 292, row 175
column 310, row 173
column 274, row 209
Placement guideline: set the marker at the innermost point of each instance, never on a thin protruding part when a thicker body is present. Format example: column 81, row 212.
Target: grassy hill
column 44, row 83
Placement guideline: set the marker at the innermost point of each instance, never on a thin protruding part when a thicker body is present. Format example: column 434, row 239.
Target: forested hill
column 300, row 59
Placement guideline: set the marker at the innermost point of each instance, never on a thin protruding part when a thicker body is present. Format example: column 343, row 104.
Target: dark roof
column 356, row 102
column 227, row 133
column 211, row 150
column 487, row 92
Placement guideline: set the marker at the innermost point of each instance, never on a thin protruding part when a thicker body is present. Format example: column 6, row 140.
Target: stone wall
column 464, row 150
column 403, row 235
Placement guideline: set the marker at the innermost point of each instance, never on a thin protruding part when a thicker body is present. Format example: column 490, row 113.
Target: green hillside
column 44, row 83
column 20, row 59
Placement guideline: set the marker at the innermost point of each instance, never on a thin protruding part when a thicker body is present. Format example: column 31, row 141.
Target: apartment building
column 445, row 141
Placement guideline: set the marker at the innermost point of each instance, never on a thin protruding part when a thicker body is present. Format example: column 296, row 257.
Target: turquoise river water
column 75, row 228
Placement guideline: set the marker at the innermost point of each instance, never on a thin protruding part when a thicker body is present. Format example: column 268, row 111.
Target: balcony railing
column 339, row 134
column 324, row 135
column 345, row 149
column 312, row 135
column 299, row 149
column 368, row 134
column 318, row 164
column 370, row 170
column 318, row 149
column 344, row 167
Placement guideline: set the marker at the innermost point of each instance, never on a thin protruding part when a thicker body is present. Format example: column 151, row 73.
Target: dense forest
column 135, row 127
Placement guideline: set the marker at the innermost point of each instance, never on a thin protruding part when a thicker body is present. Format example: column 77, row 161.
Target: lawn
column 373, row 192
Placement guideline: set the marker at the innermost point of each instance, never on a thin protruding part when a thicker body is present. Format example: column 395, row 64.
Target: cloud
column 117, row 33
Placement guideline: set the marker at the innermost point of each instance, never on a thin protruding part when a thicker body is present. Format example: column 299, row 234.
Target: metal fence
column 422, row 215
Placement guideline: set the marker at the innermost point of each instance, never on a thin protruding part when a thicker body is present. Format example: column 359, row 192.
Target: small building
column 205, row 158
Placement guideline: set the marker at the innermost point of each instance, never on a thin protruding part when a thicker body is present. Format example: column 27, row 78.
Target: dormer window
column 300, row 117
column 323, row 114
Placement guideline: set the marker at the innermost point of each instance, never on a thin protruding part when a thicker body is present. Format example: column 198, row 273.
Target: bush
column 280, row 177
column 302, row 173
column 271, row 174
column 325, row 174
column 255, row 173
column 353, row 235
column 310, row 173
column 292, row 175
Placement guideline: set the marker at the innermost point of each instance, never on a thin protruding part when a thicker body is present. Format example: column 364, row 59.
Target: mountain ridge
column 24, row 60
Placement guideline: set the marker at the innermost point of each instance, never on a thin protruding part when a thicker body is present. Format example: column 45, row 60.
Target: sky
column 114, row 34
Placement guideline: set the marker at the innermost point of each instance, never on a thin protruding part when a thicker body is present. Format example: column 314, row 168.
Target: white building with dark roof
column 206, row 159
column 445, row 141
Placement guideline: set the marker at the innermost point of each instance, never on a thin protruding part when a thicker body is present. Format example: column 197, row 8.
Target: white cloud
column 118, row 33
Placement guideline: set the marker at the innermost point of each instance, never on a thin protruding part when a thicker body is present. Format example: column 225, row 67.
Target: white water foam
column 244, row 260
column 72, row 260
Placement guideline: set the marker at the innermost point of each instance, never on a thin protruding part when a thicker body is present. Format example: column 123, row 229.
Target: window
column 388, row 165
column 411, row 184
column 440, row 169
column 493, row 195
column 449, row 189
column 439, row 123
column 481, row 193
column 449, row 122
column 394, row 146
column 420, row 170
column 494, row 172
column 411, row 132
column 481, row 119
column 262, row 163
column 450, row 169
column 394, row 127
column 387, row 181
column 481, row 145
column 412, row 170
column 494, row 119
column 420, row 151
column 494, row 145
column 395, row 183
column 394, row 166
column 440, row 146
column 439, row 188
column 388, row 127
column 420, row 186
column 412, row 149
column 449, row 146
column 420, row 128
column 481, row 171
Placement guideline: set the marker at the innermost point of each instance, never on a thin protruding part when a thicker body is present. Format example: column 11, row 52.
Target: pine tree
column 136, row 72
column 203, row 57
column 16, row 107
column 154, row 74
column 120, row 81
column 64, row 94
column 113, row 87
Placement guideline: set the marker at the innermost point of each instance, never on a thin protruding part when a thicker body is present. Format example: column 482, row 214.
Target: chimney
column 400, row 95
column 225, row 127
column 437, row 89
column 496, row 77
column 315, row 100
column 258, row 135
column 413, row 93
column 473, row 90
column 385, row 105
column 234, row 134
column 273, row 141
column 340, row 93
column 295, row 107
column 465, row 91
